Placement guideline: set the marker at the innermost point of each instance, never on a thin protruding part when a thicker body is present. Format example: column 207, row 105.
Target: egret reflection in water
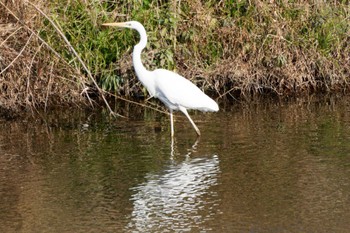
column 178, row 198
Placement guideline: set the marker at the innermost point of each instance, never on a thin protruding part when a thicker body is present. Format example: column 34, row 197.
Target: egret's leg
column 172, row 147
column 171, row 123
column 189, row 118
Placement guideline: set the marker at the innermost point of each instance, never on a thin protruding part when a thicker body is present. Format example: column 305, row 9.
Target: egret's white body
column 175, row 91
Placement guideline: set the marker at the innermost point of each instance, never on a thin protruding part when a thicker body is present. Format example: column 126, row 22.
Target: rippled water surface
column 258, row 167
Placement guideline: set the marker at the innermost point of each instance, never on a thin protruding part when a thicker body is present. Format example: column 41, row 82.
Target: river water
column 263, row 166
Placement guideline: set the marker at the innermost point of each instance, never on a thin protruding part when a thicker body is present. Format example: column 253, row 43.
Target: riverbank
column 56, row 54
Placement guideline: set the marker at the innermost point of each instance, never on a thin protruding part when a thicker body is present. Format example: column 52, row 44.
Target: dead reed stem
column 71, row 48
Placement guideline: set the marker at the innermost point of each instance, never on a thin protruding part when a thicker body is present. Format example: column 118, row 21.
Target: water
column 259, row 167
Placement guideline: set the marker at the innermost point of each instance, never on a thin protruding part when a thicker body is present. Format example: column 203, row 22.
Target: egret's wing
column 175, row 90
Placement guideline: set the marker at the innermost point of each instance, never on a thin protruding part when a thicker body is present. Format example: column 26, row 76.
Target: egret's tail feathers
column 210, row 106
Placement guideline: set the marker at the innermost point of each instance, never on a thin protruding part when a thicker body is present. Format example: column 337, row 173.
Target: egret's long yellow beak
column 114, row 24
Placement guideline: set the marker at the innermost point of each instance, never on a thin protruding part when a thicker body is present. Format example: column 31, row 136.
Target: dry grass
column 270, row 47
column 32, row 73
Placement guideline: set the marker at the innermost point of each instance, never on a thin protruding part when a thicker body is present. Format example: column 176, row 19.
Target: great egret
column 175, row 91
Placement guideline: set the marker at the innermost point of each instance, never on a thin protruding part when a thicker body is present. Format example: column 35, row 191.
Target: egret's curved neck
column 136, row 56
column 145, row 76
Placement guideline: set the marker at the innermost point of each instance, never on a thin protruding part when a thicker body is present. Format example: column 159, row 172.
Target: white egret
column 175, row 91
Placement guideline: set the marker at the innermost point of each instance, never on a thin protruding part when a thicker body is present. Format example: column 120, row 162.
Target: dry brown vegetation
column 32, row 74
column 272, row 47
column 230, row 48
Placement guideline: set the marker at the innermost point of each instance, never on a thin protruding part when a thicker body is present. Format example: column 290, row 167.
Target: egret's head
column 134, row 25
column 128, row 24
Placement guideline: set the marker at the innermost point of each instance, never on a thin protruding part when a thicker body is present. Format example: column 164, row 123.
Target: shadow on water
column 259, row 167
